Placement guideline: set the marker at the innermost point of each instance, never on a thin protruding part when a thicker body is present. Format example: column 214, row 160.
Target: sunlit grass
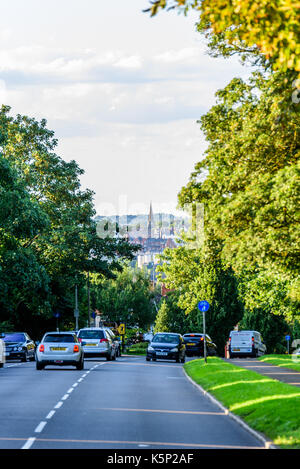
column 285, row 361
column 267, row 405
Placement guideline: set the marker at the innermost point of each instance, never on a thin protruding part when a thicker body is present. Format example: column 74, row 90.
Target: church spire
column 150, row 222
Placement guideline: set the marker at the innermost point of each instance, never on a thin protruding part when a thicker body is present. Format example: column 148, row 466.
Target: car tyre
column 183, row 360
column 80, row 365
column 147, row 359
column 39, row 366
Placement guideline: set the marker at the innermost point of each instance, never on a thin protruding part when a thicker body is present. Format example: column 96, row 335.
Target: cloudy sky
column 121, row 90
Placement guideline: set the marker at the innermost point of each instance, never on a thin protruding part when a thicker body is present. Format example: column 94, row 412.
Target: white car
column 97, row 342
column 2, row 351
column 59, row 348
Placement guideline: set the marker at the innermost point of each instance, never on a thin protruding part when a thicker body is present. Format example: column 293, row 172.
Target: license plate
column 91, row 345
column 190, row 344
column 162, row 354
column 236, row 349
column 58, row 361
column 58, row 348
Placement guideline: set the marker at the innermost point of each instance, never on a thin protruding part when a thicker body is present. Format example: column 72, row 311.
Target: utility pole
column 89, row 299
column 76, row 311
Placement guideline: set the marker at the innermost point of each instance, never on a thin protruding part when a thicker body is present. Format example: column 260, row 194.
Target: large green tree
column 126, row 298
column 196, row 274
column 242, row 26
column 62, row 238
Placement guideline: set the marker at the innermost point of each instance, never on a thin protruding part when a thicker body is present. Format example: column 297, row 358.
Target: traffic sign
column 121, row 329
column 203, row 306
column 287, row 337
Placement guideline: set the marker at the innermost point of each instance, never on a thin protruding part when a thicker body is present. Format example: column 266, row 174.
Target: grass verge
column 266, row 405
column 285, row 361
column 137, row 349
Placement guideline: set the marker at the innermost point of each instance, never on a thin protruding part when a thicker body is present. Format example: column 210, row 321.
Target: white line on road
column 58, row 405
column 65, row 397
column 50, row 415
column 28, row 443
column 40, row 427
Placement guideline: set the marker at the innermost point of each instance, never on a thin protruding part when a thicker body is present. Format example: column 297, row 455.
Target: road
column 125, row 404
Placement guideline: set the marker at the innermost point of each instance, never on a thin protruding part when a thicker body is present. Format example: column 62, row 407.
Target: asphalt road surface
column 125, row 404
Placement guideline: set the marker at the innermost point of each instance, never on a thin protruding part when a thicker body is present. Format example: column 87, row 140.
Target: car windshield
column 166, row 338
column 69, row 338
column 91, row 335
column 14, row 337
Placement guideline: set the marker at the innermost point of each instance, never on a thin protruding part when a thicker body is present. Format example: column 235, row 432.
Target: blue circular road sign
column 203, row 306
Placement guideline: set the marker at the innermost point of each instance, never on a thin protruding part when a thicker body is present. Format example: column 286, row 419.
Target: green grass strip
column 267, row 405
column 285, row 361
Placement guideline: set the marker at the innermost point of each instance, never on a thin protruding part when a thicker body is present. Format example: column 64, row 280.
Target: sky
column 122, row 92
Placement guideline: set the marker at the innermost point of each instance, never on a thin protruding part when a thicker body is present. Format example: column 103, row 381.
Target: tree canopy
column 243, row 26
column 48, row 235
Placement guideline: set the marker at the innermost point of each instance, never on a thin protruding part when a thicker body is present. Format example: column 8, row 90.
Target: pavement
column 286, row 375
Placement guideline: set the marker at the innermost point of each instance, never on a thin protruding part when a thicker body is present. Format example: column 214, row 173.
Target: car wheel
column 80, row 365
column 147, row 359
column 183, row 360
column 108, row 357
column 39, row 366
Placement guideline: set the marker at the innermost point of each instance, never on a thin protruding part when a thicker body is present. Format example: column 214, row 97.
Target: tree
column 125, row 298
column 195, row 274
column 162, row 323
column 246, row 26
column 61, row 234
column 249, row 178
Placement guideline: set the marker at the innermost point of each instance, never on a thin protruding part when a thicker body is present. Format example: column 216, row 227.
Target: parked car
column 194, row 344
column 168, row 346
column 19, row 346
column 60, row 348
column 246, row 344
column 116, row 340
column 2, row 350
column 97, row 342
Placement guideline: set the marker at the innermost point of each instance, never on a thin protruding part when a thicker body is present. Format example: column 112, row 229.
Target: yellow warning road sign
column 121, row 329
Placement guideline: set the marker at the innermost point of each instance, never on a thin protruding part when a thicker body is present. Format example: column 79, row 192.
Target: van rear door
column 241, row 341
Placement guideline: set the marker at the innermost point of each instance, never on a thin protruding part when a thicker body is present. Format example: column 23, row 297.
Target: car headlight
column 150, row 349
column 20, row 349
column 175, row 349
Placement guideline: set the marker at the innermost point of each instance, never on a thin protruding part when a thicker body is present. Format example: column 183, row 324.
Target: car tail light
column 252, row 341
column 41, row 348
column 76, row 348
column 201, row 338
column 80, row 340
column 103, row 340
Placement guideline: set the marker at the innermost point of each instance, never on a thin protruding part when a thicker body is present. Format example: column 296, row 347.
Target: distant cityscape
column 154, row 232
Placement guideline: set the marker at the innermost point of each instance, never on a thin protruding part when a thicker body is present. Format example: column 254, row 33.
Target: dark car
column 167, row 346
column 194, row 344
column 19, row 346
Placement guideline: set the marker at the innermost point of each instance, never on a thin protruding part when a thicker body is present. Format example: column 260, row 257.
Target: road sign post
column 288, row 338
column 203, row 306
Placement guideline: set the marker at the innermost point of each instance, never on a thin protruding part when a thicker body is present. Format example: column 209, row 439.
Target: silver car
column 59, row 348
column 97, row 342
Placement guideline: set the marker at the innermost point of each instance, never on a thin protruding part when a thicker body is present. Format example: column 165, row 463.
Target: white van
column 246, row 344
column 2, row 351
